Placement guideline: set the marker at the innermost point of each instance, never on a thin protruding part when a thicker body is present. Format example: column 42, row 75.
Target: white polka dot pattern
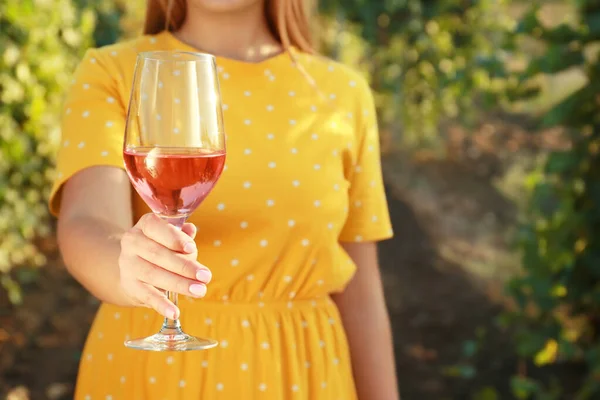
column 303, row 173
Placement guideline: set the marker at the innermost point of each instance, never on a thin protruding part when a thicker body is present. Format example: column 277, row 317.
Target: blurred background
column 490, row 148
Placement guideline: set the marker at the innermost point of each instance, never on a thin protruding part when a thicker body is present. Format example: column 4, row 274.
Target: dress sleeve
column 368, row 216
column 93, row 123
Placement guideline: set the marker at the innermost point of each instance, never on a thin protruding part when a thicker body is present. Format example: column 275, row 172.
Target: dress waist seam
column 265, row 305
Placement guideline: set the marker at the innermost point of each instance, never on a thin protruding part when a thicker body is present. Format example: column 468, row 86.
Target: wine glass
column 174, row 152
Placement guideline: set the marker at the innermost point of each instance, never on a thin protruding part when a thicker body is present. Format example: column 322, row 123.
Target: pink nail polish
column 189, row 247
column 197, row 289
column 203, row 275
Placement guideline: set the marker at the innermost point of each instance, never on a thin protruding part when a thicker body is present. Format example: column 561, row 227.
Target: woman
column 289, row 232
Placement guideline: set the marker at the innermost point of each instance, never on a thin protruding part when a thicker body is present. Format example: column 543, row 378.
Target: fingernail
column 197, row 289
column 204, row 275
column 189, row 247
column 172, row 313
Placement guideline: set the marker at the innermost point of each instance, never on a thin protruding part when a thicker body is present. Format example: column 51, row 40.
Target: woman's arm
column 95, row 212
column 364, row 314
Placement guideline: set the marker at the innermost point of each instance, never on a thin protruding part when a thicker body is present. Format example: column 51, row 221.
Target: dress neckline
column 282, row 59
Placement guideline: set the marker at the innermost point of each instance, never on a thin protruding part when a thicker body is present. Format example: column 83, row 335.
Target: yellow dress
column 302, row 174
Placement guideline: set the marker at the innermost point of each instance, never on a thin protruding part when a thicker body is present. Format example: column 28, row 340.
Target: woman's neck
column 241, row 35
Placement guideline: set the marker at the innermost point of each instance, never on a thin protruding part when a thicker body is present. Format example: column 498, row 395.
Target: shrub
column 40, row 44
column 558, row 296
column 429, row 60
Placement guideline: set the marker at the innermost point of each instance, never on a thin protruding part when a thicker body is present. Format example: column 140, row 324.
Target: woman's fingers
column 156, row 256
column 166, row 234
column 151, row 274
column 138, row 244
column 190, row 230
column 153, row 298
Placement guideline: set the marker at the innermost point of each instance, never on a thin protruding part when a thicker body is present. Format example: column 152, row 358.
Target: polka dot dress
column 302, row 175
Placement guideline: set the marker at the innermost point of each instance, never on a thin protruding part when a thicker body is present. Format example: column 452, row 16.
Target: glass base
column 171, row 339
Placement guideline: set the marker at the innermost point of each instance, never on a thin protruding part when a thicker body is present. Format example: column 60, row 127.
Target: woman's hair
column 288, row 20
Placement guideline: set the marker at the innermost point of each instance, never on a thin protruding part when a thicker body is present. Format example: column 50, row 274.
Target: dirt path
column 435, row 309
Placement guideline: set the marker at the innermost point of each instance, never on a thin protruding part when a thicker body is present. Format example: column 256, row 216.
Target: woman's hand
column 157, row 257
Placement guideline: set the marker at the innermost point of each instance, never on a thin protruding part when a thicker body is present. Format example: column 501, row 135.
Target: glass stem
column 168, row 323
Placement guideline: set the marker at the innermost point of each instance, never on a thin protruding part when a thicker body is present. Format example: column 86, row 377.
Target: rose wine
column 173, row 181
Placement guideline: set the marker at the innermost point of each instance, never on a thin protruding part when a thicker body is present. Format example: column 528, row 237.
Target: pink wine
column 173, row 181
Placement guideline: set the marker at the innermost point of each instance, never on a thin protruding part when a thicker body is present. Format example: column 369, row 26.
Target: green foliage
column 465, row 368
column 524, row 388
column 41, row 42
column 487, row 393
column 558, row 296
column 430, row 60
column 108, row 19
